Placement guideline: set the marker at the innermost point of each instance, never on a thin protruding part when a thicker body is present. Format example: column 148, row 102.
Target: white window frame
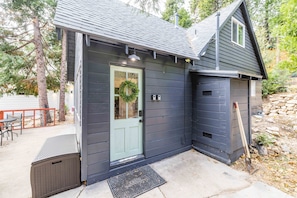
column 238, row 23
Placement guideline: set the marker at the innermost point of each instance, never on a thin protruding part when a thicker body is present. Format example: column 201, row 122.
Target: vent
column 208, row 135
column 207, row 93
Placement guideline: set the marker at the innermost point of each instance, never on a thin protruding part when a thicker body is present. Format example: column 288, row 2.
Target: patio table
column 7, row 127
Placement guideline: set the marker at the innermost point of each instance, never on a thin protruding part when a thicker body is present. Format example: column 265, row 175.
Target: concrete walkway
column 16, row 157
column 189, row 174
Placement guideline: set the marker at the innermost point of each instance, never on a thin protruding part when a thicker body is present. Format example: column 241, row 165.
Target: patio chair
column 18, row 124
column 3, row 130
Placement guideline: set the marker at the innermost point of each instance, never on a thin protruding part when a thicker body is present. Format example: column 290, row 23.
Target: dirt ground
column 275, row 163
column 69, row 119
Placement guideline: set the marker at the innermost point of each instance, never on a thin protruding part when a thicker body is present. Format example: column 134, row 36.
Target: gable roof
column 200, row 34
column 114, row 20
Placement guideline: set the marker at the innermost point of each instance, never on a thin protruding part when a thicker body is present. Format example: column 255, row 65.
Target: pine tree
column 175, row 6
column 23, row 43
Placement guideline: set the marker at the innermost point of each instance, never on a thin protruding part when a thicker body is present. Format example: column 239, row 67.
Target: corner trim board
column 88, row 40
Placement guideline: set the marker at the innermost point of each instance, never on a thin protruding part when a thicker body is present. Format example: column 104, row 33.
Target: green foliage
column 289, row 64
column 277, row 80
column 28, row 9
column 286, row 30
column 205, row 8
column 132, row 90
column 66, row 109
column 288, row 25
column 17, row 50
column 264, row 139
column 184, row 18
column 175, row 6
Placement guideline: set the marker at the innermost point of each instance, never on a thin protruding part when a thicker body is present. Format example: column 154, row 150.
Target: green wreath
column 134, row 91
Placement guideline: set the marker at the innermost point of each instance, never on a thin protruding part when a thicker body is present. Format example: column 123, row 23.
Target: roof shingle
column 115, row 20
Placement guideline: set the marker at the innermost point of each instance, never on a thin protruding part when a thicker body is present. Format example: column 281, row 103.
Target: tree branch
column 29, row 54
column 19, row 47
column 49, row 65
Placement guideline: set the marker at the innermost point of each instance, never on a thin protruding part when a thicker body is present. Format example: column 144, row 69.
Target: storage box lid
column 56, row 146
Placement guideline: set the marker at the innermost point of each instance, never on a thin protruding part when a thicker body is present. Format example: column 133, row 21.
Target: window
column 238, row 32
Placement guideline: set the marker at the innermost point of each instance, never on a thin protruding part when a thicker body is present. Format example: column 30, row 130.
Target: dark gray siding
column 97, row 113
column 70, row 55
column 215, row 124
column 239, row 93
column 165, row 120
column 167, row 123
column 232, row 56
column 211, row 128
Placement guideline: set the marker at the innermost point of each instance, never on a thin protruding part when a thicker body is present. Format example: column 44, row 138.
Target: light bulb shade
column 134, row 57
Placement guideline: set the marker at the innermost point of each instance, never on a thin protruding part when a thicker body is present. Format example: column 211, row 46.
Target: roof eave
column 228, row 74
column 254, row 42
column 132, row 44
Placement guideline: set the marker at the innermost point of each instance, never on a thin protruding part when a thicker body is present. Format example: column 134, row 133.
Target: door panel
column 125, row 126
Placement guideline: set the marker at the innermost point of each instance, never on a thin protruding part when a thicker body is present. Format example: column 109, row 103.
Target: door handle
column 140, row 121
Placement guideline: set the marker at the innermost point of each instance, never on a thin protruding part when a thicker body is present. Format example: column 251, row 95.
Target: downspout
column 218, row 42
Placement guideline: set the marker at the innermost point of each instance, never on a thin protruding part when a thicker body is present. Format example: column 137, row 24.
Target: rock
column 275, row 133
column 285, row 148
column 255, row 129
column 284, row 96
column 292, row 102
column 274, row 150
column 295, row 128
column 270, row 120
column 258, row 116
column 272, row 114
column 273, row 128
column 290, row 112
column 262, row 150
column 282, row 112
column 287, row 128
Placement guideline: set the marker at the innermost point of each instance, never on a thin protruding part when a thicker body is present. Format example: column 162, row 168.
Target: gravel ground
column 277, row 163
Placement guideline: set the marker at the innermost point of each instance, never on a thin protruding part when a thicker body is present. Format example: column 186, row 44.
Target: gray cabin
column 146, row 89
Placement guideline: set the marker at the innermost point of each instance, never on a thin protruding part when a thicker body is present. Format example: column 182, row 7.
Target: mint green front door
column 125, row 117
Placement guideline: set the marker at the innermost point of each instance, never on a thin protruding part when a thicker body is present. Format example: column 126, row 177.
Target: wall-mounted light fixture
column 187, row 60
column 134, row 57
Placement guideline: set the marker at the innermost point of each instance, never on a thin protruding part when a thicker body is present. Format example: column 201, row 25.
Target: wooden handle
column 241, row 129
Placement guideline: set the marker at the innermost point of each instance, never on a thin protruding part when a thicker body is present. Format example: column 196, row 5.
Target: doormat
column 135, row 182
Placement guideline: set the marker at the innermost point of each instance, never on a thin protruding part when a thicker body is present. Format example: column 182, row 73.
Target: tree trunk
column 41, row 79
column 63, row 78
column 266, row 23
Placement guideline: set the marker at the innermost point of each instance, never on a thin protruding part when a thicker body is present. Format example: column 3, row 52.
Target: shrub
column 66, row 109
column 264, row 139
column 276, row 82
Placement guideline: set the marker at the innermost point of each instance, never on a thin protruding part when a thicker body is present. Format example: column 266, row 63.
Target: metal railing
column 33, row 118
